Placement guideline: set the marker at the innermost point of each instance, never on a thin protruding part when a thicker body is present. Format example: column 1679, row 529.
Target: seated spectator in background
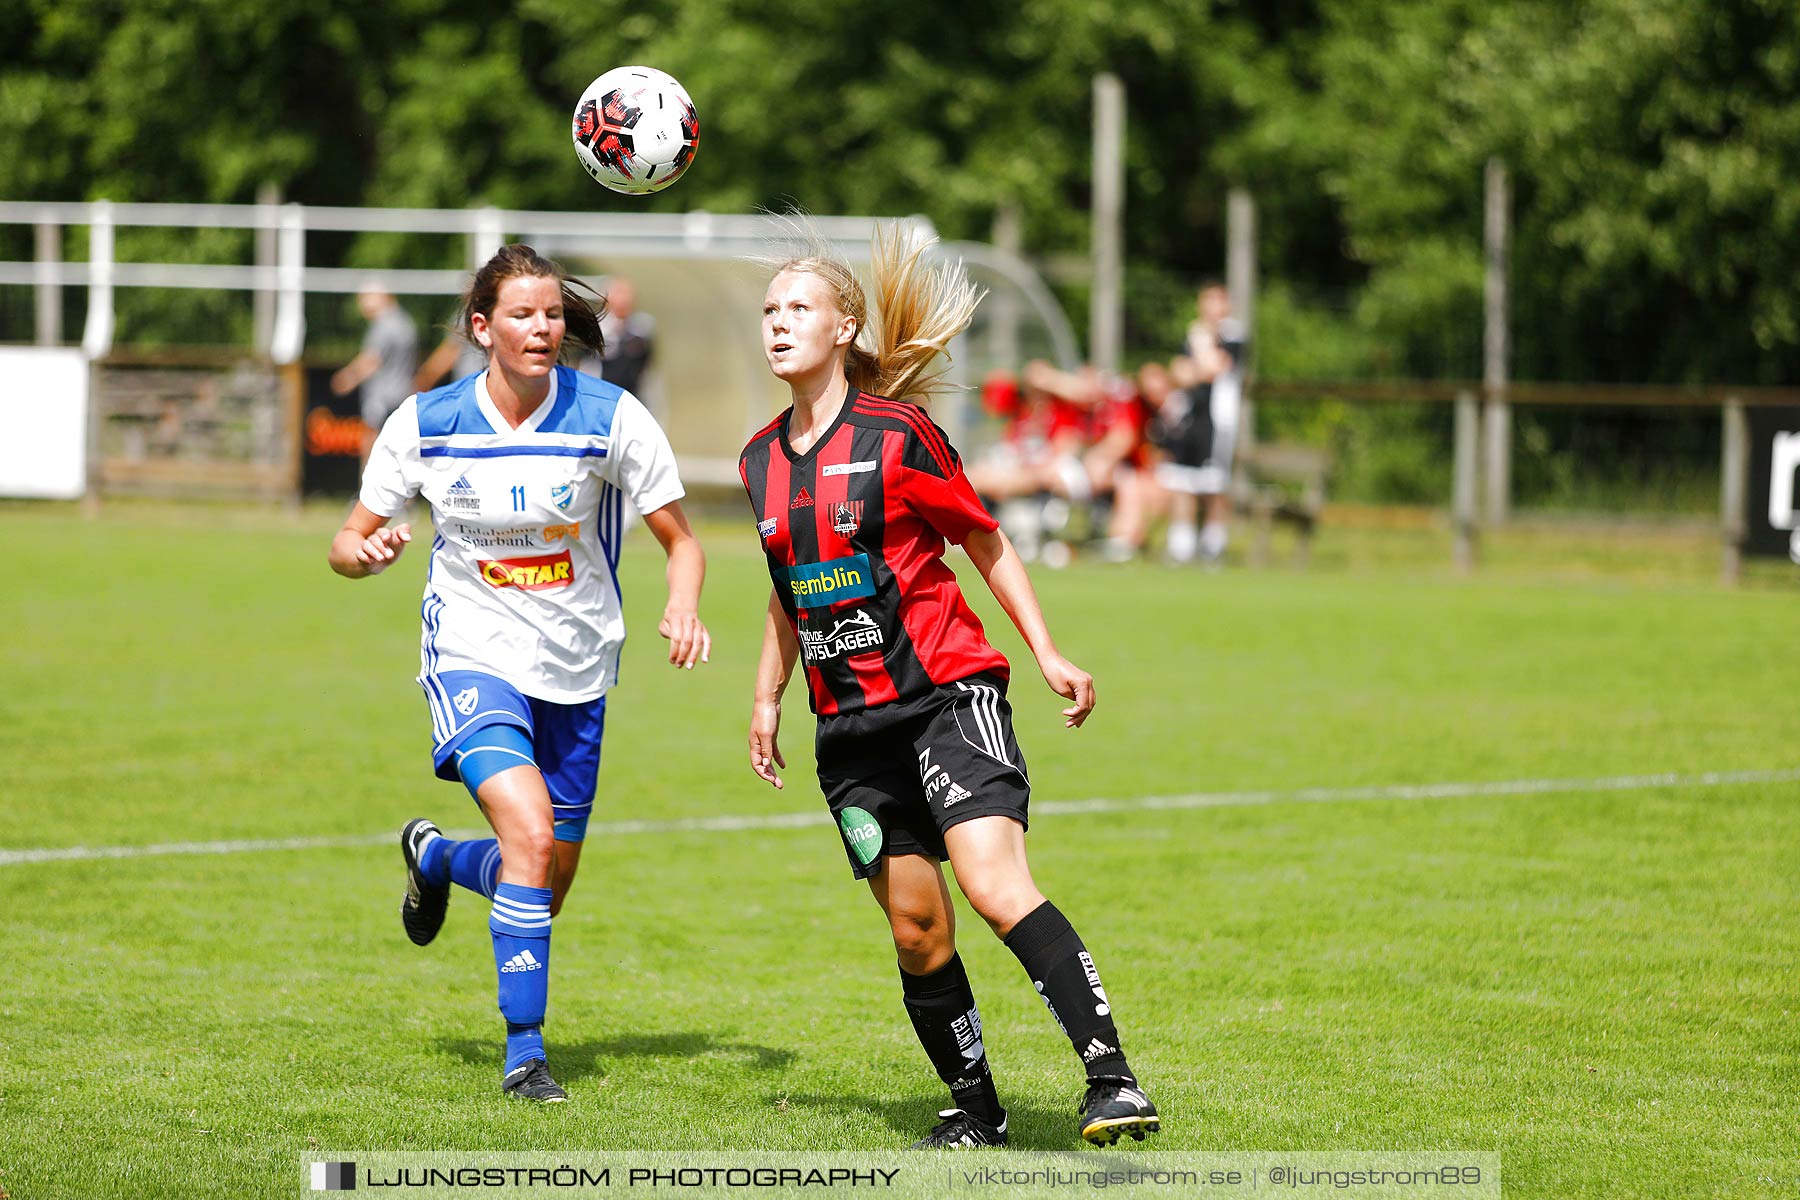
column 1121, row 442
column 1034, row 473
column 1137, row 496
column 384, row 368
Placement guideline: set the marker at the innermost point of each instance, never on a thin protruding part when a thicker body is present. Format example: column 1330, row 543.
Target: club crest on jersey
column 562, row 495
column 846, row 517
column 766, row 528
column 462, row 497
column 466, row 700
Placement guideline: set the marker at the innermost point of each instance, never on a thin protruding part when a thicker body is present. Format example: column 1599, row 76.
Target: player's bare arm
column 365, row 546
column 780, row 650
column 993, row 555
column 689, row 642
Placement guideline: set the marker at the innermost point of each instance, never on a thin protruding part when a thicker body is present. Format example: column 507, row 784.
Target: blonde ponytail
column 920, row 306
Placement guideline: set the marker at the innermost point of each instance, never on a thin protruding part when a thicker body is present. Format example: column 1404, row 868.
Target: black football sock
column 1063, row 971
column 942, row 1008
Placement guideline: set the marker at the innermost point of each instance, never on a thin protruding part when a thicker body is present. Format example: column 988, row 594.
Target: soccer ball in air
column 635, row 130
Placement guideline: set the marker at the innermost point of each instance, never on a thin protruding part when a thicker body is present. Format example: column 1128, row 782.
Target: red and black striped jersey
column 854, row 531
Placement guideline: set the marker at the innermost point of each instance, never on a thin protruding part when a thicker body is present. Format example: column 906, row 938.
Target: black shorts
column 1183, row 430
column 895, row 786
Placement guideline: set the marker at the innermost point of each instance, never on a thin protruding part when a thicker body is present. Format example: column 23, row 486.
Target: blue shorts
column 564, row 737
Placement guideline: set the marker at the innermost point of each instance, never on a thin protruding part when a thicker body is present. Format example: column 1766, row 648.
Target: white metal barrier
column 288, row 278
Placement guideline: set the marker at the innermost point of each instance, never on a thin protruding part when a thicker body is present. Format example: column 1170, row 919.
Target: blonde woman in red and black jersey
column 856, row 492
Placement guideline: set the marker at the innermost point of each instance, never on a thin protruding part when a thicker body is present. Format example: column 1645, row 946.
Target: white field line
column 1099, row 804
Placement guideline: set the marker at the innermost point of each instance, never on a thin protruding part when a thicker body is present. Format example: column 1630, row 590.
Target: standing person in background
column 384, row 367
column 455, row 358
column 526, row 466
column 630, row 338
column 1218, row 342
column 855, row 496
column 1184, row 433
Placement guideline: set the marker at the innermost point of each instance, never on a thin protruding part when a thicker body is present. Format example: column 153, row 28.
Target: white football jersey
column 523, row 581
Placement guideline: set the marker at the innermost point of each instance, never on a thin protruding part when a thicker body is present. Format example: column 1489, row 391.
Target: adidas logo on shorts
column 522, row 961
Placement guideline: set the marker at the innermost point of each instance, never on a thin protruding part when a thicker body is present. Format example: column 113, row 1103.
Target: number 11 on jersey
column 518, row 498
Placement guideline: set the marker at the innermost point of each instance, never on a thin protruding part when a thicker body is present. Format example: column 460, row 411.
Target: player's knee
column 921, row 938
column 1002, row 903
column 529, row 850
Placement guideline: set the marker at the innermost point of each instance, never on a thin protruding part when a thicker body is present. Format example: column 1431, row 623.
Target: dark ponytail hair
column 582, row 306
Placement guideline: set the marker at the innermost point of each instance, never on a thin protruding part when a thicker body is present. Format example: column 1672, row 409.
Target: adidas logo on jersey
column 522, row 961
column 957, row 792
column 1097, row 1049
column 462, row 497
column 803, row 500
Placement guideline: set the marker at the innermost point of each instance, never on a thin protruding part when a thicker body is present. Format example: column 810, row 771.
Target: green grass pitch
column 1600, row 985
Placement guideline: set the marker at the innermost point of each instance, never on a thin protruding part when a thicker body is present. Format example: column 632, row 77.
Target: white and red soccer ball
column 635, row 130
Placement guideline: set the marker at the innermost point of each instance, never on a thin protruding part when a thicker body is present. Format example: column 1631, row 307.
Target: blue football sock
column 474, row 865
column 520, row 924
column 434, row 861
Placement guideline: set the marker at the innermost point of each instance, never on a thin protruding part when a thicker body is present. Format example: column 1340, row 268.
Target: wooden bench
column 1278, row 481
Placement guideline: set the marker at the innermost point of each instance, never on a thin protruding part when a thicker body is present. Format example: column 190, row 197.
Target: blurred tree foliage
column 1652, row 143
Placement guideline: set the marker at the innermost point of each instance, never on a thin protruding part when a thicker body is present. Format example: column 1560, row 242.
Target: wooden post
column 1106, row 309
column 293, row 422
column 1734, row 478
column 268, row 236
column 49, row 286
column 1003, row 303
column 1240, row 282
column 1464, row 515
column 1494, row 349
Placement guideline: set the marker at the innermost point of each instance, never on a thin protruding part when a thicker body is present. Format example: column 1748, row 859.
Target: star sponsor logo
column 556, row 533
column 849, row 468
column 766, row 529
column 461, row 497
column 846, row 517
column 858, row 633
column 537, row 574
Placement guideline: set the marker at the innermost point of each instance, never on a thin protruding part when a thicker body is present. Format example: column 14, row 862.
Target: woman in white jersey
column 526, row 466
